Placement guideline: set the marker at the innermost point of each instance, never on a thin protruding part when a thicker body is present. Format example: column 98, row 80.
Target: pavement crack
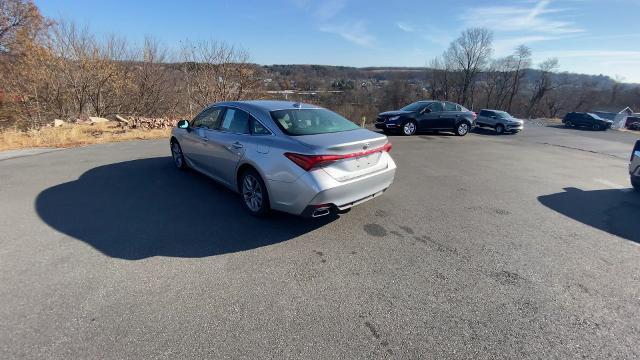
column 579, row 149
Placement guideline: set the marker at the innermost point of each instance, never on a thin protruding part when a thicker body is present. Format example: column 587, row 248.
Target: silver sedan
column 297, row 158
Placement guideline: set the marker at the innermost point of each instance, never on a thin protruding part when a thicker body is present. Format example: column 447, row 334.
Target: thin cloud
column 506, row 46
column 539, row 18
column 405, row 27
column 353, row 32
column 329, row 9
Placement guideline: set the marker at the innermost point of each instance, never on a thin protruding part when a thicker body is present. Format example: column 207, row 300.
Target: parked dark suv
column 589, row 120
column 634, row 166
column 428, row 115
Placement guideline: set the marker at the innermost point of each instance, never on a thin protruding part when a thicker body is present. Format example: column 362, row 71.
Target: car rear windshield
column 311, row 121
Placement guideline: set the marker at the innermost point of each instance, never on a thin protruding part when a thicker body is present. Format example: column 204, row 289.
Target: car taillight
column 475, row 116
column 308, row 162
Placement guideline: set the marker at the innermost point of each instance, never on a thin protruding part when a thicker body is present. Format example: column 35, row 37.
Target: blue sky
column 589, row 36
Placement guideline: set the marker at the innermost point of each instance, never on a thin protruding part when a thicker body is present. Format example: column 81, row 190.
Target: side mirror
column 183, row 124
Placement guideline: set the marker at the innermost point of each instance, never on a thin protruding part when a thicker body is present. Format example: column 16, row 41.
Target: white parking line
column 612, row 185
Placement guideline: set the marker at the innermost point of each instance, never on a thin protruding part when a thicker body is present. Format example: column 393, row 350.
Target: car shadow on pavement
column 614, row 211
column 483, row 131
column 143, row 208
column 575, row 128
column 490, row 132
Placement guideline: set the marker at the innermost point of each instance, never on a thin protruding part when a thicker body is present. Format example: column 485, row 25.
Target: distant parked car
column 431, row 115
column 633, row 123
column 500, row 121
column 297, row 158
column 634, row 167
column 589, row 120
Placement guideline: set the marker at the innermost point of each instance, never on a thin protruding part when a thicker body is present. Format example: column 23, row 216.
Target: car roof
column 267, row 105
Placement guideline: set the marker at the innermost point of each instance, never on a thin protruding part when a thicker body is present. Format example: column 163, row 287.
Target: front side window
column 435, row 107
column 503, row 114
column 208, row 119
column 235, row 121
column 311, row 121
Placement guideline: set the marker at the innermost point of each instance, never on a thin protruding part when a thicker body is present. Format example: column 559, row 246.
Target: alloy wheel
column 409, row 128
column 176, row 153
column 252, row 193
column 463, row 129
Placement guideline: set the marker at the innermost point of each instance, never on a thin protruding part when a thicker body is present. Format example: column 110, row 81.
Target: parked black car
column 431, row 115
column 632, row 123
column 589, row 120
column 634, row 166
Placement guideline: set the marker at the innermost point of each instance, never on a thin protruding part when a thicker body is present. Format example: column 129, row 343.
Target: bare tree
column 18, row 19
column 498, row 79
column 150, row 80
column 440, row 79
column 217, row 72
column 543, row 84
column 522, row 58
column 469, row 53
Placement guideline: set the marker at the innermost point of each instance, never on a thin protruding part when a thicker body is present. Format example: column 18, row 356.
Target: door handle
column 237, row 145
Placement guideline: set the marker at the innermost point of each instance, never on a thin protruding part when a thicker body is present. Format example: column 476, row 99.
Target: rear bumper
column 317, row 189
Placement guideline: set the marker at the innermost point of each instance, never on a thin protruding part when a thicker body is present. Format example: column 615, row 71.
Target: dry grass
column 71, row 135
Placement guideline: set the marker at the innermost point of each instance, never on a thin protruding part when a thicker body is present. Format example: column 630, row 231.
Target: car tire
column 636, row 184
column 178, row 156
column 499, row 129
column 253, row 193
column 568, row 124
column 462, row 128
column 409, row 128
column 596, row 127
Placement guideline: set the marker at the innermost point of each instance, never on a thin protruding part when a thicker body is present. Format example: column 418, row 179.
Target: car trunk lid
column 362, row 147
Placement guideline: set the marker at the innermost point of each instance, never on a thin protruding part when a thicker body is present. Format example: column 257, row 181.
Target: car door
column 449, row 116
column 584, row 120
column 430, row 116
column 228, row 144
column 195, row 142
column 483, row 118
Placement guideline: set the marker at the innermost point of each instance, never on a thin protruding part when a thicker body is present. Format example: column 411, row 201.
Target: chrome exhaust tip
column 323, row 211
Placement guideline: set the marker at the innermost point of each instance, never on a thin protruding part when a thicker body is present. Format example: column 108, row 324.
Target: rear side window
column 485, row 113
column 311, row 121
column 235, row 121
column 257, row 128
column 450, row 106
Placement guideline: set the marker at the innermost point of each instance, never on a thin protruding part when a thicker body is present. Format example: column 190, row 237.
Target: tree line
column 56, row 69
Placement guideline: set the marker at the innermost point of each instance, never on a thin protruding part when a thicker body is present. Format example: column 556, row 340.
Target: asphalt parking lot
column 514, row 246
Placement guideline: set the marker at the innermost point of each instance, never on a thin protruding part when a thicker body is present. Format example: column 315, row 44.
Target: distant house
column 619, row 118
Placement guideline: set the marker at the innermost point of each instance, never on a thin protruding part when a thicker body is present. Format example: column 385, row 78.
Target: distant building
column 619, row 118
